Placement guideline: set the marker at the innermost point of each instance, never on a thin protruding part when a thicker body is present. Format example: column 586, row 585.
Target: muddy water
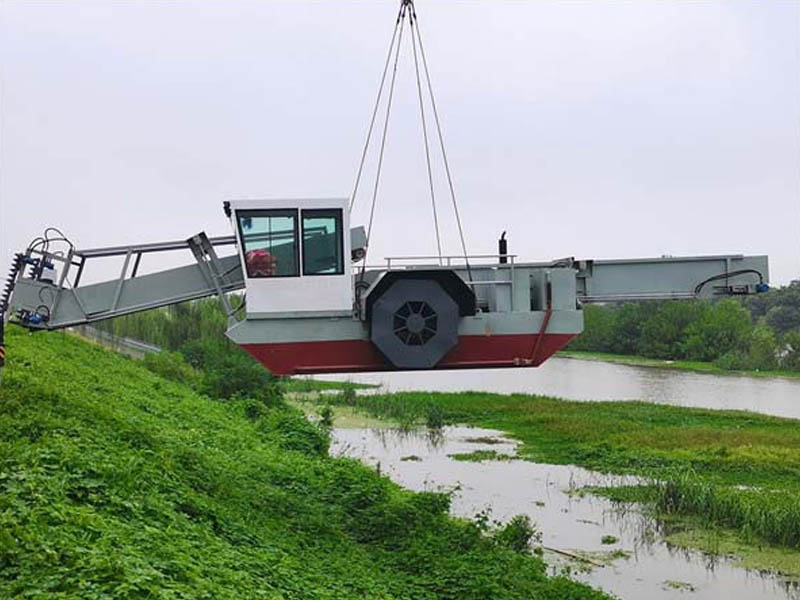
column 576, row 379
column 568, row 521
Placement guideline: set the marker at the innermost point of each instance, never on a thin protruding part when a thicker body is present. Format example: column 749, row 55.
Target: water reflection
column 576, row 379
column 569, row 521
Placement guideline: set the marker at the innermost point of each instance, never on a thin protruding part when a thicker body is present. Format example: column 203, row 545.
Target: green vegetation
column 118, row 483
column 344, row 417
column 411, row 458
column 171, row 327
column 733, row 469
column 313, row 385
column 608, row 540
column 393, row 407
column 481, row 455
column 771, row 514
column 680, row 365
column 671, row 584
column 196, row 331
column 725, row 542
column 760, row 333
column 597, row 558
column 216, row 371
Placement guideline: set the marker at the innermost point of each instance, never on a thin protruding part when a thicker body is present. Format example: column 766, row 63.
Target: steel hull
column 358, row 355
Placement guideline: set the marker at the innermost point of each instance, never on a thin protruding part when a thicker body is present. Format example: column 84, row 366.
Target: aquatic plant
column 517, row 534
column 326, row 417
column 434, row 417
column 734, row 469
column 771, row 515
column 609, row 539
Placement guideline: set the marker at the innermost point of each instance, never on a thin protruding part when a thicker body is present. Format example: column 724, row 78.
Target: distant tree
column 725, row 327
column 664, row 331
column 760, row 304
column 762, row 353
column 783, row 318
column 598, row 329
column 790, row 359
column 628, row 321
column 175, row 325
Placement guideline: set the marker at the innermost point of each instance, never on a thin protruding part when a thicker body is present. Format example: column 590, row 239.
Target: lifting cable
column 425, row 135
column 401, row 22
column 375, row 110
column 415, row 25
column 407, row 8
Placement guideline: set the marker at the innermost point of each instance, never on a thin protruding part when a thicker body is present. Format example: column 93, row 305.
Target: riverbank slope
column 115, row 482
column 680, row 365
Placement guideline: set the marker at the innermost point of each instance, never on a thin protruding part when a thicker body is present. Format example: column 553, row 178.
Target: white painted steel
column 304, row 293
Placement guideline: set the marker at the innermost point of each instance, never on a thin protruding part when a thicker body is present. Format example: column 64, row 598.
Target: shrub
column 763, row 349
column 326, row 417
column 292, row 431
column 628, row 322
column 783, row 318
column 721, row 329
column 598, row 329
column 733, row 360
column 517, row 534
column 253, row 409
column 228, row 371
column 791, row 351
column 348, row 396
column 172, row 366
column 434, row 416
column 389, row 522
column 664, row 330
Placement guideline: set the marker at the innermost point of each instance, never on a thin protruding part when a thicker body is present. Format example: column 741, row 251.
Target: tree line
column 754, row 333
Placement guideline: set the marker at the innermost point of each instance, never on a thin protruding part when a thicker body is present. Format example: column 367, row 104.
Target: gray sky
column 592, row 129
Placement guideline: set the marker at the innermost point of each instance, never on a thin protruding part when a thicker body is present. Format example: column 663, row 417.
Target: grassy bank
column 118, row 483
column 732, row 469
column 681, row 365
column 301, row 385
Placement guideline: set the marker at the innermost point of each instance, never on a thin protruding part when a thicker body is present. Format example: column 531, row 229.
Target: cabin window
column 269, row 242
column 322, row 242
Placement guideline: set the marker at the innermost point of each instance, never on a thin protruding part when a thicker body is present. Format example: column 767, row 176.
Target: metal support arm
column 671, row 277
column 39, row 302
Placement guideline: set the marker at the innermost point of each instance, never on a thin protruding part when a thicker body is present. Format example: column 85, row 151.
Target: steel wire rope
column 415, row 23
column 375, row 110
column 383, row 140
column 425, row 139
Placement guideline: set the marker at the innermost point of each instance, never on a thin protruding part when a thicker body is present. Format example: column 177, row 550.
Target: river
column 649, row 567
column 645, row 566
column 586, row 380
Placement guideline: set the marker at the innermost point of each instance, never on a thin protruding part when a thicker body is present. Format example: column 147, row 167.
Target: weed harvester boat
column 307, row 311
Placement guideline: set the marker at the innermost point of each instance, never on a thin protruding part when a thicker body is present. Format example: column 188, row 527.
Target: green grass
column 292, row 384
column 117, row 483
column 759, row 557
column 481, row 455
column 681, row 365
column 735, row 469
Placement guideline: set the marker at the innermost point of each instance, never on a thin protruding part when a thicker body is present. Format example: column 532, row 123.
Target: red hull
column 347, row 356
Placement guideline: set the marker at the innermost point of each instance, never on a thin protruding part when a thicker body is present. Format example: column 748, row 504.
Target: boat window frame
column 338, row 215
column 269, row 212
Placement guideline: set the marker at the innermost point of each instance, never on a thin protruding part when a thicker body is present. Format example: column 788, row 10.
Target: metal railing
column 448, row 261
